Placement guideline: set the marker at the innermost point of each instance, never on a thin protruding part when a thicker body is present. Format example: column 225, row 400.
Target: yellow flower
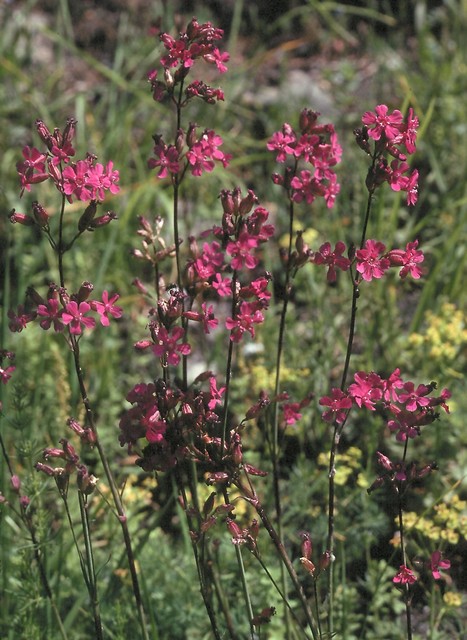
column 452, row 599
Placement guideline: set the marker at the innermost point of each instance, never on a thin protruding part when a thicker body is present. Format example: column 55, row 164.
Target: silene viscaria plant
column 186, row 424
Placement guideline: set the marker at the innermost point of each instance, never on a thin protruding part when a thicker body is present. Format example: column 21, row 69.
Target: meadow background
column 90, row 60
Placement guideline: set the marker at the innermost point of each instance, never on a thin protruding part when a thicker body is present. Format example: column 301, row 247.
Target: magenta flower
column 218, row 59
column 18, row 321
column 32, row 169
column 215, row 393
column 410, row 132
column 437, row 563
column 244, row 321
column 51, row 314
column 206, row 317
column 241, row 251
column 74, row 315
column 332, row 259
column 339, row 403
column 76, row 181
column 291, row 412
column 5, row 374
column 203, row 153
column 414, row 398
column 306, row 187
column 404, row 576
column 380, row 123
column 166, row 159
column 408, row 260
column 366, row 390
column 107, row 308
column 369, row 263
column 390, row 386
column 282, row 142
column 223, row 286
column 167, row 344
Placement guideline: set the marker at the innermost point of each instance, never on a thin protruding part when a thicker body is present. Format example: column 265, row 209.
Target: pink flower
column 19, row 320
column 51, row 315
column 167, row 344
column 306, row 187
column 391, row 384
column 244, row 321
column 404, row 576
column 411, row 186
column 203, row 153
column 32, row 169
column 408, row 260
column 380, row 123
column 366, row 390
column 332, row 259
column 5, row 374
column 282, row 142
column 106, row 308
column 436, row 563
column 206, row 317
column 339, row 403
column 216, row 394
column 76, row 182
column 241, row 251
column 291, row 412
column 74, row 315
column 369, row 263
column 218, row 58
column 166, row 159
column 410, row 131
column 414, row 398
column 223, row 286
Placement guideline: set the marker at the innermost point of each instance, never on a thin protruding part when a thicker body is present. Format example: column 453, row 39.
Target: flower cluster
column 86, row 481
column 395, row 136
column 85, row 180
column 410, row 408
column 180, row 425
column 314, row 144
column 199, row 154
column 197, row 42
column 60, row 310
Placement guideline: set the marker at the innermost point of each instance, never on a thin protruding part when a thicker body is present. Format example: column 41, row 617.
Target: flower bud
column 21, row 218
column 102, row 221
column 40, row 215
column 69, row 131
column 191, row 138
column 44, row 133
column 85, row 291
column 15, row 483
column 88, row 216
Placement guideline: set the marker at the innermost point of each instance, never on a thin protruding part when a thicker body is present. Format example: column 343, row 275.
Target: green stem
column 122, row 518
column 91, row 572
column 254, row 501
column 275, row 439
column 339, row 428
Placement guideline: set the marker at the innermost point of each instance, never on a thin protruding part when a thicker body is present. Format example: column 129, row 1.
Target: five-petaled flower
column 107, row 308
column 74, row 315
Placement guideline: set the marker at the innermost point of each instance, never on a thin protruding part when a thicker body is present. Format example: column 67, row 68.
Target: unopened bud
column 88, row 216
column 21, row 218
column 70, row 130
column 44, row 133
column 85, row 291
column 40, row 215
column 191, row 135
column 104, row 220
